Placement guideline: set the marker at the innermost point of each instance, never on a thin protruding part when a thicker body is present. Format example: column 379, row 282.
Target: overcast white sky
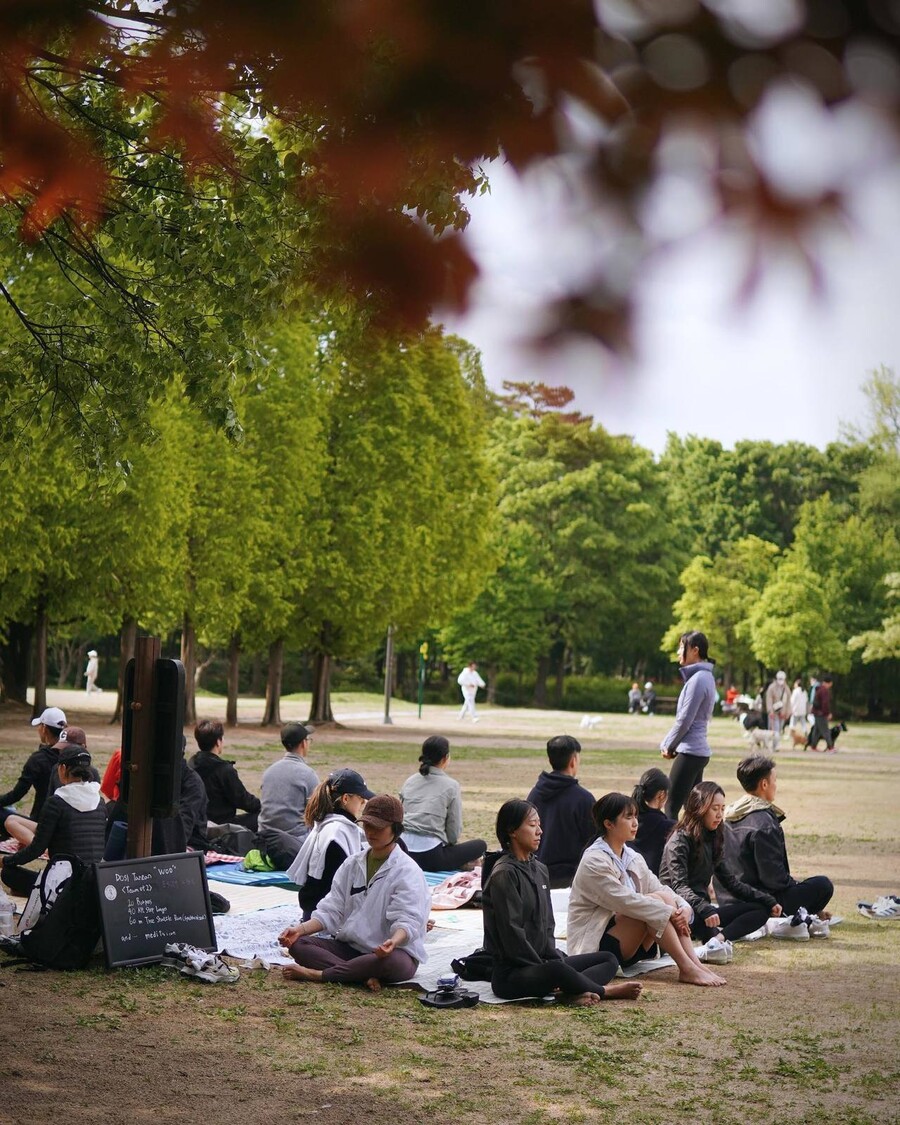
column 786, row 366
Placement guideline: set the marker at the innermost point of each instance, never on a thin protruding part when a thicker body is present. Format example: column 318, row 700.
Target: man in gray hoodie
column 687, row 741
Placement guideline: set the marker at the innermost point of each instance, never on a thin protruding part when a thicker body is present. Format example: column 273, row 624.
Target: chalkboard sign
column 147, row 903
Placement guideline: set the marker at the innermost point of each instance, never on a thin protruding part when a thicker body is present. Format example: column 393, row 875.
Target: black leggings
column 686, row 772
column 583, row 972
column 450, row 857
column 736, row 920
column 813, row 893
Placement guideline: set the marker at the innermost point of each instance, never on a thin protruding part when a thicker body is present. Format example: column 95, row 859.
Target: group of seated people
column 640, row 882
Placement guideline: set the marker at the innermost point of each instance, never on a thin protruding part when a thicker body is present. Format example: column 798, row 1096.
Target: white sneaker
column 791, row 928
column 756, row 935
column 818, row 927
column 717, row 951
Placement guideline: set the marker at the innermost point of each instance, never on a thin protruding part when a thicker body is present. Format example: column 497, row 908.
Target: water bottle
column 7, row 915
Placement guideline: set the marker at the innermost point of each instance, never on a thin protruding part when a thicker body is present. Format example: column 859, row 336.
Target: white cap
column 781, row 677
column 93, row 652
column 50, row 717
column 648, row 685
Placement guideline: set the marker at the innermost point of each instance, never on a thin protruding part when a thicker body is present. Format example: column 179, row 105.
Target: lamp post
column 423, row 656
column 388, row 670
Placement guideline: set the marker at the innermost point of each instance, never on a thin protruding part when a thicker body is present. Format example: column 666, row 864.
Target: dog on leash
column 761, row 739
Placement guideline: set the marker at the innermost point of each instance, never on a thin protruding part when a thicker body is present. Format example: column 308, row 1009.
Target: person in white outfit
column 799, row 707
column 469, row 682
column 90, row 673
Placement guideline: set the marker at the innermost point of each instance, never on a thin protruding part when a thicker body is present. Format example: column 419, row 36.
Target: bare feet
column 625, row 990
column 700, row 975
column 373, row 984
column 584, row 1000
column 300, row 972
column 429, row 925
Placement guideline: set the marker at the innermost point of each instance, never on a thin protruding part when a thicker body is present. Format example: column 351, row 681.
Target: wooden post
column 388, row 675
column 140, row 791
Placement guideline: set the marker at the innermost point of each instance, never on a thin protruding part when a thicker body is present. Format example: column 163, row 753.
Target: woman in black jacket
column 693, row 853
column 518, row 924
column 72, row 822
column 654, row 826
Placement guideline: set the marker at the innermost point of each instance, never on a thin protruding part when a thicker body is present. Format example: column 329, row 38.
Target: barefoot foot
column 584, row 1000
column 701, row 977
column 625, row 990
column 300, row 972
column 373, row 984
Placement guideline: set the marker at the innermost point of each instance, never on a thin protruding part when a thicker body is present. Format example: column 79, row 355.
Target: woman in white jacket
column 376, row 912
column 332, row 812
column 618, row 905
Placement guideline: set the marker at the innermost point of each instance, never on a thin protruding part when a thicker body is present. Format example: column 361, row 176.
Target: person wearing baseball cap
column 377, row 912
column 22, row 828
column 37, row 770
column 331, row 815
column 286, row 787
column 72, row 821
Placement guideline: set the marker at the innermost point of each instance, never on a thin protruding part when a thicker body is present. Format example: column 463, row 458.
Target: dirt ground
column 802, row 1032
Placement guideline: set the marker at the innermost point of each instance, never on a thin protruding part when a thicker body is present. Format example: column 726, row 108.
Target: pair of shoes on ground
column 198, row 964
column 798, row 927
column 717, row 951
column 884, row 909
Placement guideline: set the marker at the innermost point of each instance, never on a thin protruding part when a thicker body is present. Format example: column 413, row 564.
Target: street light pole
column 388, row 672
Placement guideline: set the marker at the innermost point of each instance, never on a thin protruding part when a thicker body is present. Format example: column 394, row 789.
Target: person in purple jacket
column 687, row 742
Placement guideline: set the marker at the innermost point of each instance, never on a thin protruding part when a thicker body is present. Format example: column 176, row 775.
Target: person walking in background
column 821, row 714
column 469, row 682
column 799, row 708
column 91, row 672
column 687, row 741
column 778, row 706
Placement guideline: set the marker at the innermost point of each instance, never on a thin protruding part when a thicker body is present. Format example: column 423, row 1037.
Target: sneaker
column 793, row 928
column 717, row 951
column 756, row 935
column 187, row 958
column 213, row 970
column 818, row 927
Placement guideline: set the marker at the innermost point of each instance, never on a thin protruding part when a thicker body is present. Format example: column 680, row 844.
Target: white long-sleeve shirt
column 366, row 914
column 470, row 682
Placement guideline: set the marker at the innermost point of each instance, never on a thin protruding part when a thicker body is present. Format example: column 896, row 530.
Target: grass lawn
column 801, row 1033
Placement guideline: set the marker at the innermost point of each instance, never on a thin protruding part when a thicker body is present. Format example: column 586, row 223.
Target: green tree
column 720, row 597
column 883, row 643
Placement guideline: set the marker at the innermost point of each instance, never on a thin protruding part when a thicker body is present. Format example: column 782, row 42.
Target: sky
column 786, row 366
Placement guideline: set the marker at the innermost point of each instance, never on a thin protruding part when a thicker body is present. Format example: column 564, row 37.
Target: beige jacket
column 600, row 890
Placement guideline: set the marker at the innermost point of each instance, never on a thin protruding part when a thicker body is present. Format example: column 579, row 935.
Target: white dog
column 588, row 722
column 761, row 739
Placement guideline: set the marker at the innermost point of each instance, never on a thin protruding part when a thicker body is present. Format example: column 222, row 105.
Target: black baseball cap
column 349, row 781
column 292, row 734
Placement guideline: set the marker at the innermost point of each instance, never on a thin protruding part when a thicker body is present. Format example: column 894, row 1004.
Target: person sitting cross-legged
column 564, row 807
column 619, row 906
column 755, row 846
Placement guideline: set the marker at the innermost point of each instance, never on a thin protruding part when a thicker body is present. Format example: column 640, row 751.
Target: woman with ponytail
column 332, row 812
column 432, row 813
column 650, row 795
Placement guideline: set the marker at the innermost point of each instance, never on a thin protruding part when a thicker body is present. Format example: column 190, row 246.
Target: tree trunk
column 492, row 683
column 272, row 713
column 540, row 681
column 15, row 662
column 127, row 638
column 256, row 676
column 41, row 631
column 320, row 706
column 560, row 676
column 189, row 660
column 232, row 677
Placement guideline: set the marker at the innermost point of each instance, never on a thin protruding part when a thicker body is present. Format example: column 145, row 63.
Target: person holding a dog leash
column 687, row 742
column 778, row 706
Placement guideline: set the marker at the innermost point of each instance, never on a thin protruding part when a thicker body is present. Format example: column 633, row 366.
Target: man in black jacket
column 40, row 765
column 755, row 847
column 224, row 789
column 565, row 811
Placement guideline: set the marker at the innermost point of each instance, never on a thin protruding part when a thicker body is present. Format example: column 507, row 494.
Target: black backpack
column 67, row 928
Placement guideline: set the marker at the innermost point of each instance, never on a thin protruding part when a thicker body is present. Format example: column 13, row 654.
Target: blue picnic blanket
column 232, row 873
